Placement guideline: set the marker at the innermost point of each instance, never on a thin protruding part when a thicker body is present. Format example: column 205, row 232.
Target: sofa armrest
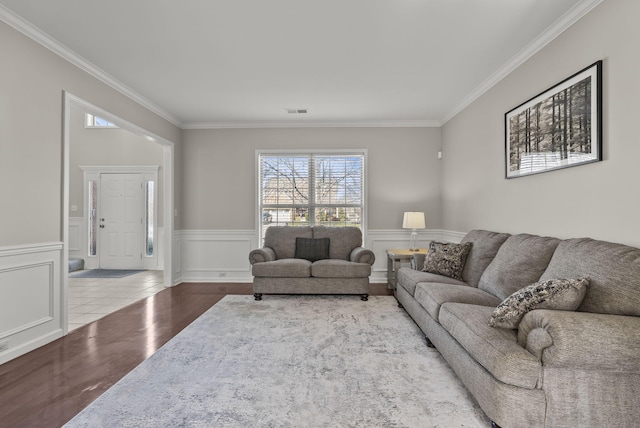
column 417, row 261
column 362, row 255
column 582, row 339
column 264, row 254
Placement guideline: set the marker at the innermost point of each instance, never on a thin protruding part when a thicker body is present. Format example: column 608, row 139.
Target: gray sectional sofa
column 557, row 368
column 311, row 260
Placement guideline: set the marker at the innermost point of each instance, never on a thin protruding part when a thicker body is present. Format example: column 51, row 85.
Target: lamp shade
column 413, row 220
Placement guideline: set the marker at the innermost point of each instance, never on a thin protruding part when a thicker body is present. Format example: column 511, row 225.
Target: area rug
column 291, row 361
column 105, row 273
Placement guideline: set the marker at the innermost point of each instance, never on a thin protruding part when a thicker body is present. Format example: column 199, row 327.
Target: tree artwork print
column 559, row 128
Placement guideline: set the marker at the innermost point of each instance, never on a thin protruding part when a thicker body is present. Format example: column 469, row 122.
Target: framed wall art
column 559, row 128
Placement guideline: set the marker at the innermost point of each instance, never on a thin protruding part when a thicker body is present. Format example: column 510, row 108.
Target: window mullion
column 312, row 191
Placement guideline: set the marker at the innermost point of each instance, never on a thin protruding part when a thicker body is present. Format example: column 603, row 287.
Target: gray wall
column 32, row 81
column 107, row 146
column 597, row 200
column 219, row 172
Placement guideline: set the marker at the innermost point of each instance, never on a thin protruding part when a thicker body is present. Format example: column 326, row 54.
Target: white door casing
column 120, row 221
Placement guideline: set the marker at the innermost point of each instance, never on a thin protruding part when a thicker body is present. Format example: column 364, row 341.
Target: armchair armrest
column 582, row 339
column 362, row 255
column 264, row 254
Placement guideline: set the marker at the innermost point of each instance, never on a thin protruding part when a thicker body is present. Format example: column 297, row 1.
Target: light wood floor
column 48, row 386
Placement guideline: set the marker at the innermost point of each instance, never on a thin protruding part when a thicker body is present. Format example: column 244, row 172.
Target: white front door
column 120, row 221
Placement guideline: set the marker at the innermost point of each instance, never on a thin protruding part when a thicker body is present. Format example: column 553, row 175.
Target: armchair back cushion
column 484, row 246
column 613, row 271
column 342, row 240
column 520, row 261
column 282, row 239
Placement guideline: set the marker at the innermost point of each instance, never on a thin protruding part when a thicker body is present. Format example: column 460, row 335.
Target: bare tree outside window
column 311, row 189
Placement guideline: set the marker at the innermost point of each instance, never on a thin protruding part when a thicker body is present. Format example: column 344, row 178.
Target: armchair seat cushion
column 334, row 268
column 283, row 268
column 408, row 279
column 496, row 349
column 432, row 296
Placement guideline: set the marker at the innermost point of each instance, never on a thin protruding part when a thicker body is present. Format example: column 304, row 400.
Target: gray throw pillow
column 558, row 294
column 312, row 249
column 447, row 259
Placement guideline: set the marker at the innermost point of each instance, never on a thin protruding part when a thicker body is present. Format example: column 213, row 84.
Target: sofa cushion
column 485, row 246
column 445, row 258
column 343, row 240
column 496, row 349
column 409, row 278
column 558, row 294
column 283, row 268
column 312, row 249
column 282, row 239
column 332, row 268
column 520, row 261
column 432, row 295
column 613, row 271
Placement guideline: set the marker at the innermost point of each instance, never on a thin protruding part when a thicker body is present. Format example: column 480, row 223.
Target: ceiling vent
column 296, row 110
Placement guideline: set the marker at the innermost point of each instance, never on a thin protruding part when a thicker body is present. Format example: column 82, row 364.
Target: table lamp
column 413, row 220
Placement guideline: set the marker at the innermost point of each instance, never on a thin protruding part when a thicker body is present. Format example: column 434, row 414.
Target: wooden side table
column 394, row 258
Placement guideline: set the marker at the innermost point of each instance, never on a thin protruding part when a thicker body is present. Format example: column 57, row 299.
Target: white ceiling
column 235, row 63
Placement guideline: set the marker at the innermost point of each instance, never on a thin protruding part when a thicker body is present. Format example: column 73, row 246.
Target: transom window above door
column 311, row 188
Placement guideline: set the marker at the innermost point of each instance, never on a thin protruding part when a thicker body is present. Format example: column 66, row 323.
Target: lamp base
column 414, row 235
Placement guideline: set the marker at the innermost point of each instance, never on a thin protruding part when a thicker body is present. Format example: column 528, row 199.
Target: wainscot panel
column 31, row 306
column 216, row 255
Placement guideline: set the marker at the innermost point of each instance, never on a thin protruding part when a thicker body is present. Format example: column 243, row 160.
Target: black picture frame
column 559, row 128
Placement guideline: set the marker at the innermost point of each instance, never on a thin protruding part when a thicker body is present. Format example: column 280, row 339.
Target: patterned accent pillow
column 446, row 259
column 558, row 294
column 312, row 249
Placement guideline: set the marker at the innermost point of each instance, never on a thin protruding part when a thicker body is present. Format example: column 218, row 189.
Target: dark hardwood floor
column 50, row 385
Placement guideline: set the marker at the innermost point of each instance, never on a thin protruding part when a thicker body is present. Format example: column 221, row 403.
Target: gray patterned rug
column 291, row 361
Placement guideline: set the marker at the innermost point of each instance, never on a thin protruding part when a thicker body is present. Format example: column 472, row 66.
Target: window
column 319, row 188
column 149, row 211
column 92, row 121
column 92, row 198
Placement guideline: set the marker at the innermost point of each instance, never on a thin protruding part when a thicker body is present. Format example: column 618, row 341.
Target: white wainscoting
column 223, row 255
column 31, row 306
column 379, row 241
column 77, row 237
column 215, row 255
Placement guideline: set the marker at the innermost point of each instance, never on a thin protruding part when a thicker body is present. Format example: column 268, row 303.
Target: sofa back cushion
column 520, row 261
column 484, row 246
column 342, row 240
column 613, row 271
column 282, row 239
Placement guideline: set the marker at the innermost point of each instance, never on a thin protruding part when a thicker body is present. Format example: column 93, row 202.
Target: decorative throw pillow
column 447, row 259
column 312, row 249
column 559, row 294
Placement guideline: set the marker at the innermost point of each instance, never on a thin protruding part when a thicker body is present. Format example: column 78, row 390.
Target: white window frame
column 317, row 152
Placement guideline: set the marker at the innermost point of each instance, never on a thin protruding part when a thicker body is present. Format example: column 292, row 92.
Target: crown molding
column 361, row 124
column 553, row 31
column 59, row 49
